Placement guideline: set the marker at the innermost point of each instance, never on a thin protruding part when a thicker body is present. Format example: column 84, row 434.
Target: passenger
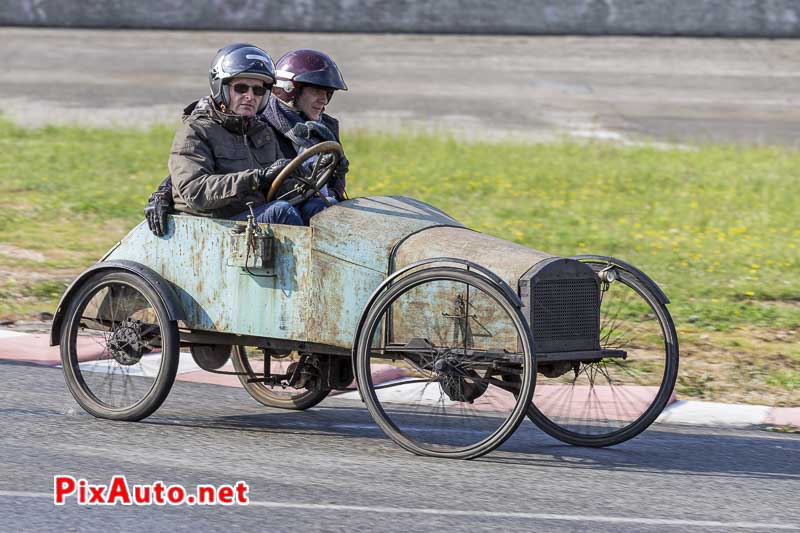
column 225, row 155
column 305, row 83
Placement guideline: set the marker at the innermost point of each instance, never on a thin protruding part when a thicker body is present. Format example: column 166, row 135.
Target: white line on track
column 487, row 514
column 7, row 334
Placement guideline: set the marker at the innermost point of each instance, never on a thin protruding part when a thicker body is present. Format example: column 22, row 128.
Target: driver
column 225, row 155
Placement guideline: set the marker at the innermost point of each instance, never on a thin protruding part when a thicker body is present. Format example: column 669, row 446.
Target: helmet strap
column 225, row 89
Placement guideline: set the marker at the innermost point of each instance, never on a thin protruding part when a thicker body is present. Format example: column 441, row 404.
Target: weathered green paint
column 194, row 257
column 365, row 230
column 323, row 274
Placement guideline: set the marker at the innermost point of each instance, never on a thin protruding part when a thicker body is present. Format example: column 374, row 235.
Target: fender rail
column 156, row 282
column 491, row 276
column 638, row 274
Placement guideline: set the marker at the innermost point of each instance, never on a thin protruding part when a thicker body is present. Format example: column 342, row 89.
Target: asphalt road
column 620, row 88
column 331, row 469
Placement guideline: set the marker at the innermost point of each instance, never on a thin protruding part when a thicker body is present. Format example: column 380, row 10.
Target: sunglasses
column 258, row 90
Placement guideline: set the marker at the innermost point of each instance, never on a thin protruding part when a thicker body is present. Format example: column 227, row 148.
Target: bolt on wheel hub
column 125, row 343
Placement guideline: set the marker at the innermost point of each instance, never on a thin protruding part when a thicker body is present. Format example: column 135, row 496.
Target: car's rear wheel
column 249, row 363
column 606, row 402
column 119, row 349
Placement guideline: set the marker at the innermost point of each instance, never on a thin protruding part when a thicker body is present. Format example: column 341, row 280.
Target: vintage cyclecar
column 452, row 336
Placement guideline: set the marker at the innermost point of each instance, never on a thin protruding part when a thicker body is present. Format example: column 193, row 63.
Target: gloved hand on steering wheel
column 310, row 185
column 324, row 161
column 338, row 181
column 301, row 175
column 265, row 176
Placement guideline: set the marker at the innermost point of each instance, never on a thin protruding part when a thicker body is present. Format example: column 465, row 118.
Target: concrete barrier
column 728, row 18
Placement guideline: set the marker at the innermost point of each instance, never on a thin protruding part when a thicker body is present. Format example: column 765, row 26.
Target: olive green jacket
column 215, row 158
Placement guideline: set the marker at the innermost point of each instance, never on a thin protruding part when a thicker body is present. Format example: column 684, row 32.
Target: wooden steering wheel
column 312, row 184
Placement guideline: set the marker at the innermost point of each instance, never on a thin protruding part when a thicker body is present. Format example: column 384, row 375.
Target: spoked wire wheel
column 119, row 349
column 431, row 356
column 608, row 401
column 249, row 361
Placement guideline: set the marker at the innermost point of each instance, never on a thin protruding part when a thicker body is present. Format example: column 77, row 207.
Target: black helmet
column 309, row 67
column 239, row 59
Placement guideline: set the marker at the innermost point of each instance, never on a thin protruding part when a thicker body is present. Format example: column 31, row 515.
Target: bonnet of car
column 366, row 231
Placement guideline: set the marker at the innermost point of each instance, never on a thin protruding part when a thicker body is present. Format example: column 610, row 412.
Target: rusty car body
column 452, row 336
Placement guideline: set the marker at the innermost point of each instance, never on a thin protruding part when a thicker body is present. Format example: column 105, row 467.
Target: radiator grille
column 565, row 314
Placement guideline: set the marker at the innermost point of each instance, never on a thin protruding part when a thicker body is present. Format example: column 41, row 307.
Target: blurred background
column 664, row 133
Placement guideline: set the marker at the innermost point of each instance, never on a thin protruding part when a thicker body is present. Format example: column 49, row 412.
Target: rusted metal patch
column 506, row 259
column 321, row 276
column 340, row 290
column 216, row 296
column 363, row 231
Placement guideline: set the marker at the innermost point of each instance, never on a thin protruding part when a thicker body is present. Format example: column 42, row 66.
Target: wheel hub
column 125, row 342
column 458, row 383
column 308, row 377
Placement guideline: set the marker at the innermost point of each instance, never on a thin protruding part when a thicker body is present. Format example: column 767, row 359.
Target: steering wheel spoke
column 320, row 174
column 307, row 181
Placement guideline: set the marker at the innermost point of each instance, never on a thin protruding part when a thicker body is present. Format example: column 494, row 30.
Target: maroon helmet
column 305, row 67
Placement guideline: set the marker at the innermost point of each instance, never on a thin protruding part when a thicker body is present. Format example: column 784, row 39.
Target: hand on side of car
column 159, row 205
column 338, row 180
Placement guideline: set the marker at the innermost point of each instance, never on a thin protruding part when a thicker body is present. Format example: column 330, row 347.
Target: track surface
column 621, row 88
column 330, row 468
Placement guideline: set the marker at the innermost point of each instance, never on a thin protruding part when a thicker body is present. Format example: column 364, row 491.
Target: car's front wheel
column 606, row 402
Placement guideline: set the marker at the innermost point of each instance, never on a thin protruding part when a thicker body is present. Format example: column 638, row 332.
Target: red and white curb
column 35, row 348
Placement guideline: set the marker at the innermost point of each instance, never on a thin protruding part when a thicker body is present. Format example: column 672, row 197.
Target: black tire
column 117, row 340
column 443, row 406
column 289, row 398
column 632, row 318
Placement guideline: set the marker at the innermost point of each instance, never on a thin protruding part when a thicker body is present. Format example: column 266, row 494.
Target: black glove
column 338, row 181
column 321, row 130
column 325, row 160
column 342, row 168
column 266, row 176
column 159, row 205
